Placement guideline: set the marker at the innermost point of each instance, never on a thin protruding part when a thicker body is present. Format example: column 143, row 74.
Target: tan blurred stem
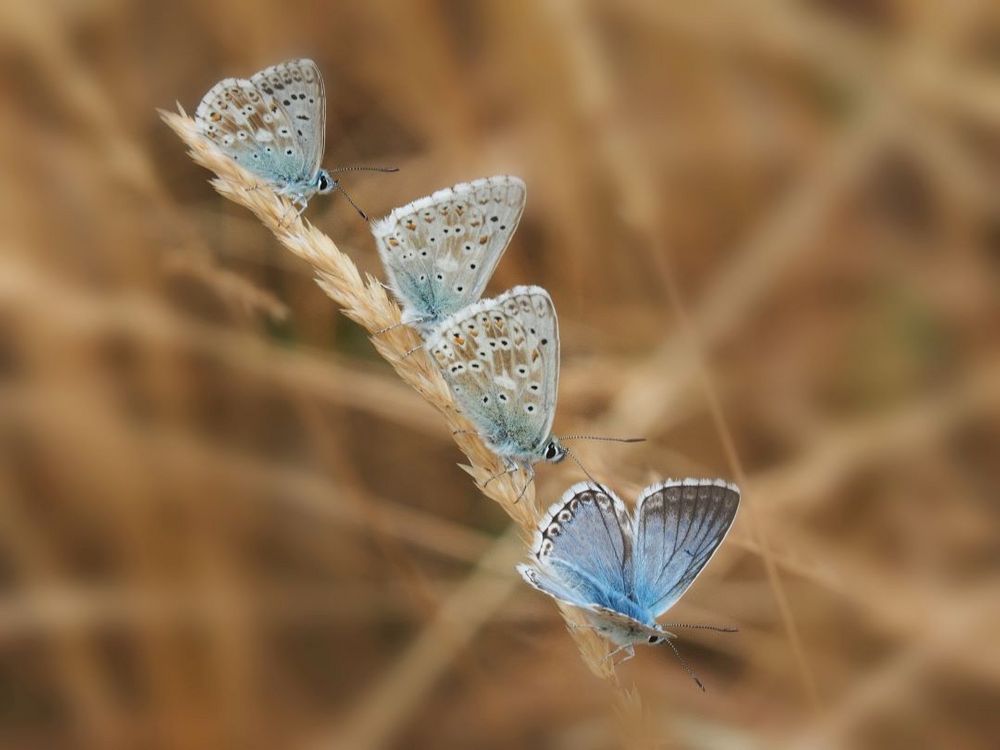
column 452, row 628
column 90, row 694
column 970, row 619
column 631, row 181
column 365, row 301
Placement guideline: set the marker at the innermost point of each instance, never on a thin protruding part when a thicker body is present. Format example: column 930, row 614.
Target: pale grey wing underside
column 298, row 86
column 678, row 527
column 249, row 122
column 440, row 251
column 500, row 358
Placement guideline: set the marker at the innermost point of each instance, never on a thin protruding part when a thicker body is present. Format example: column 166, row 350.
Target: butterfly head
column 325, row 183
column 554, row 451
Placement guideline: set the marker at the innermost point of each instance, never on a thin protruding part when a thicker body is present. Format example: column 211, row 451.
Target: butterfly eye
column 654, row 639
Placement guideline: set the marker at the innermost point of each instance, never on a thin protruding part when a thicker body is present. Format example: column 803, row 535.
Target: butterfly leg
column 285, row 224
column 410, row 351
column 512, row 466
column 531, row 478
column 394, row 326
column 629, row 653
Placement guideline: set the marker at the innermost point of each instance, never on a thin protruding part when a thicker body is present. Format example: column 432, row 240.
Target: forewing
column 297, row 86
column 585, row 540
column 500, row 357
column 250, row 128
column 440, row 251
column 679, row 526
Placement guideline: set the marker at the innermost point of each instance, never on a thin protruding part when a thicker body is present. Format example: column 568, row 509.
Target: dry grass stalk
column 366, row 302
column 244, row 298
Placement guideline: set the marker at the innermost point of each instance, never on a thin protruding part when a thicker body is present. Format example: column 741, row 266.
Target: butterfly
column 625, row 571
column 439, row 251
column 500, row 358
column 274, row 125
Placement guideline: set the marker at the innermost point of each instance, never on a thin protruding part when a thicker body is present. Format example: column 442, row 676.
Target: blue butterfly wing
column 620, row 628
column 548, row 583
column 584, row 549
column 679, row 525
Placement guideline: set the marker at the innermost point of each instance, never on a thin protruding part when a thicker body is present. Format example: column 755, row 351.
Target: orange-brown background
column 225, row 524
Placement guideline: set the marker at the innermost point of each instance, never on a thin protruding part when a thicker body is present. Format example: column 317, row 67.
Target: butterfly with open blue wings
column 625, row 571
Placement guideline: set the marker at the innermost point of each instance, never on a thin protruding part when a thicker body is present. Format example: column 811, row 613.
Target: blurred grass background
column 223, row 521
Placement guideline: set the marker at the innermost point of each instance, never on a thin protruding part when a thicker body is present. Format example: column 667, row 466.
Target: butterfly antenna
column 351, row 201
column 363, row 169
column 601, row 437
column 582, row 467
column 716, row 628
column 684, row 664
